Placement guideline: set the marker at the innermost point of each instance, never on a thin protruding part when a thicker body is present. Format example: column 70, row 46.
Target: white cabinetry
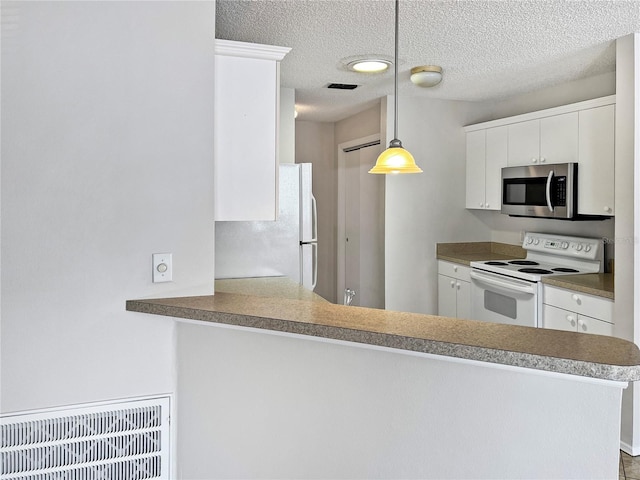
column 548, row 140
column 577, row 312
column 486, row 155
column 454, row 290
column 247, row 85
column 580, row 133
column 597, row 161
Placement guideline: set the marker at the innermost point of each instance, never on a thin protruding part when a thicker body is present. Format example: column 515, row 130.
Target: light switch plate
column 162, row 267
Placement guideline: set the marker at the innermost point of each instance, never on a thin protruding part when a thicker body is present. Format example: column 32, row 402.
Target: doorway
column 360, row 258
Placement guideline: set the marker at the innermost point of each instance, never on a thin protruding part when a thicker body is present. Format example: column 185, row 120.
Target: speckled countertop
column 279, row 287
column 541, row 349
column 467, row 252
column 599, row 284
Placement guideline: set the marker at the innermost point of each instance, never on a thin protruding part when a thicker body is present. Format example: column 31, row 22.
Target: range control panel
column 577, row 247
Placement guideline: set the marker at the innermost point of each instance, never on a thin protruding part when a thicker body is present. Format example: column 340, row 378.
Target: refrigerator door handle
column 314, row 224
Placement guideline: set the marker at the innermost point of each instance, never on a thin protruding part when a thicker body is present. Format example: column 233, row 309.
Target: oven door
column 502, row 299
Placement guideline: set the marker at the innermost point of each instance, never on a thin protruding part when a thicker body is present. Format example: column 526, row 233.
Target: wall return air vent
column 123, row 440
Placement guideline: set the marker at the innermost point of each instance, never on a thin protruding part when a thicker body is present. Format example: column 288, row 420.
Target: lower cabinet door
column 446, row 296
column 463, row 299
column 593, row 325
column 558, row 318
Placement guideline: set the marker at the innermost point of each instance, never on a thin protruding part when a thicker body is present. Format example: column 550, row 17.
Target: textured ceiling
column 487, row 49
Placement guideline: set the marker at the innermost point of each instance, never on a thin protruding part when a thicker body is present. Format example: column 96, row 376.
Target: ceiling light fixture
column 395, row 159
column 369, row 65
column 426, row 75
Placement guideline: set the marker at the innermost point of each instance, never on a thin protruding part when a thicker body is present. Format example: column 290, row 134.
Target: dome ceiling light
column 426, row 75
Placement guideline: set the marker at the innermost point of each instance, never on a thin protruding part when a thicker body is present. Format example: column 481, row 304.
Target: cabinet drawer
column 581, row 303
column 594, row 325
column 455, row 270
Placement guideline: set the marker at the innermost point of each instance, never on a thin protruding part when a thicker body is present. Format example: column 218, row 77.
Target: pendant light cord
column 395, row 69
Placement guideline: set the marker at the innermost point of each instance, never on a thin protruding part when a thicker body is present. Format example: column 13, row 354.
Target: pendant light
column 395, row 159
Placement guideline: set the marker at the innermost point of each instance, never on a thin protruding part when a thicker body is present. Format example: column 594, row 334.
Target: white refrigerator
column 285, row 247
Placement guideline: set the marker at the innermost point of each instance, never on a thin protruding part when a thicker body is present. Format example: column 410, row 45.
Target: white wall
column 427, row 208
column 627, row 225
column 271, row 406
column 107, row 144
column 549, row 97
column 287, row 124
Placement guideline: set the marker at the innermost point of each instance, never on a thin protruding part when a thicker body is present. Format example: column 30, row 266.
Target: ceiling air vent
column 342, row 86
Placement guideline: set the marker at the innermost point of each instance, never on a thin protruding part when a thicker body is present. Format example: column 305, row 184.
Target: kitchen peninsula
column 290, row 387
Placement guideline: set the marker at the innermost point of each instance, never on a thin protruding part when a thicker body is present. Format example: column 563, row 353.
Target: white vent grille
column 118, row 441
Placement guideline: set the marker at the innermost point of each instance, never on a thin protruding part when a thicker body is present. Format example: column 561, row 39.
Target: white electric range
column 510, row 291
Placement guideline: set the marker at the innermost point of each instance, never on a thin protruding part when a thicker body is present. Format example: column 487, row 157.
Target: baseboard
column 634, row 451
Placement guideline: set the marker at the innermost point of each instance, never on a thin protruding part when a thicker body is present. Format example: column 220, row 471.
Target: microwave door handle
column 549, row 178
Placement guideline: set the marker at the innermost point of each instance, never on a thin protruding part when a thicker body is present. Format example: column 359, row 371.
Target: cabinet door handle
column 571, row 320
column 486, row 205
column 582, row 325
column 542, row 159
column 576, row 298
column 458, row 285
column 455, row 269
column 453, row 284
column 482, row 205
column 534, row 160
column 607, row 209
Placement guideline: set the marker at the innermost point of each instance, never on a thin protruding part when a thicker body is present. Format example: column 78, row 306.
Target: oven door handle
column 505, row 285
column 549, row 178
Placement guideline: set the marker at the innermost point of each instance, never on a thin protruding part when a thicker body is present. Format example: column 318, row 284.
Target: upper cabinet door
column 551, row 139
column 475, row 169
column 596, row 182
column 247, row 87
column 524, row 143
column 496, row 158
column 559, row 138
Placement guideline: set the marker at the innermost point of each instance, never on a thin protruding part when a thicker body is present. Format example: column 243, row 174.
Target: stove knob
column 578, row 247
column 565, row 245
column 529, row 240
column 536, row 241
column 587, row 248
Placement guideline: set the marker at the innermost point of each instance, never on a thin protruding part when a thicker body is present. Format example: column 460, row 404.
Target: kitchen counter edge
column 570, row 353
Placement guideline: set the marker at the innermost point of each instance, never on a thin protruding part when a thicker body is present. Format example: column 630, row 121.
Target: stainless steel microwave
column 547, row 191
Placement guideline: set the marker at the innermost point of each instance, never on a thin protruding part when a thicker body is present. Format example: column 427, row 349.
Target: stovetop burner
column 547, row 255
column 540, row 271
column 523, row 262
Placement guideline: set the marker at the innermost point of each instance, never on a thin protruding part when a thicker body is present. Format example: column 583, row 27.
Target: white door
column 501, row 299
column 364, row 228
column 559, row 138
column 476, row 145
column 447, row 296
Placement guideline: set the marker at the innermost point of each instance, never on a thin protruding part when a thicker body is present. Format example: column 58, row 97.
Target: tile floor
column 629, row 467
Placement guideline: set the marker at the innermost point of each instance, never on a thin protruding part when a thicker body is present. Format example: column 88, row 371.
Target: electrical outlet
column 162, row 267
